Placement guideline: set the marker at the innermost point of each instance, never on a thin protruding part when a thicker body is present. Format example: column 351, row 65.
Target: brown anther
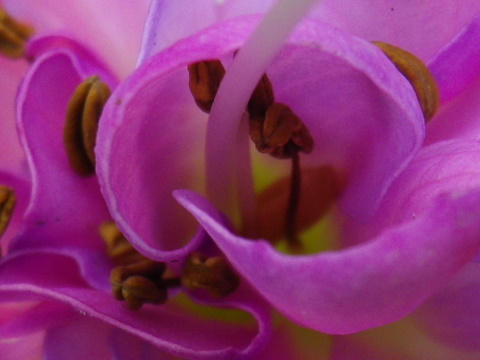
column 7, row 204
column 139, row 283
column 204, row 80
column 118, row 247
column 417, row 74
column 213, row 274
column 13, row 36
column 81, row 123
column 262, row 98
column 280, row 129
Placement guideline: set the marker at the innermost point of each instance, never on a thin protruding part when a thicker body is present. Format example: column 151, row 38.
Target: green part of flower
column 7, row 205
column 13, row 36
column 417, row 74
column 213, row 274
column 204, row 80
column 81, row 124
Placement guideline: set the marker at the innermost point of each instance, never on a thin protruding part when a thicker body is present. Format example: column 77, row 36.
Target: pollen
column 7, row 205
column 415, row 71
column 213, row 274
column 117, row 246
column 139, row 283
column 204, row 80
column 81, row 123
column 13, row 36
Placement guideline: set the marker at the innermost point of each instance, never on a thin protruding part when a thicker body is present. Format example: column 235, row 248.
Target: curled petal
column 73, row 204
column 421, row 27
column 364, row 286
column 169, row 327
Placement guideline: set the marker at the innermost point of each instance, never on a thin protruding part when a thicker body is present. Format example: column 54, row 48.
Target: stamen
column 417, row 74
column 118, row 247
column 81, row 124
column 280, row 133
column 13, row 36
column 212, row 274
column 205, row 78
column 7, row 204
column 139, row 283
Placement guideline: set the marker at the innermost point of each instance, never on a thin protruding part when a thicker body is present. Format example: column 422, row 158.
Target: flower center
column 7, row 205
column 417, row 75
column 138, row 280
column 81, row 124
column 13, row 36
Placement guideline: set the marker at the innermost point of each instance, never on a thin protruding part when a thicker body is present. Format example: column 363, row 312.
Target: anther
column 13, row 36
column 204, row 80
column 118, row 247
column 213, row 274
column 417, row 74
column 81, row 123
column 7, row 204
column 262, row 98
column 279, row 128
column 139, row 283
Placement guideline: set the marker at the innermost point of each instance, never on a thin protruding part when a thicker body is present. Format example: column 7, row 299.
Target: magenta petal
column 80, row 339
column 12, row 154
column 457, row 65
column 452, row 317
column 72, row 203
column 361, row 287
column 167, row 327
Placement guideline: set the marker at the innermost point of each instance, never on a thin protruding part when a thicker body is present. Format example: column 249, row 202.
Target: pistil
column 7, row 205
column 81, row 124
column 13, row 36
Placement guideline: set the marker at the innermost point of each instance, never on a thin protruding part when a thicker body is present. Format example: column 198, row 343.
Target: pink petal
column 11, row 73
column 74, row 203
column 167, row 327
column 421, row 27
column 364, row 286
column 113, row 29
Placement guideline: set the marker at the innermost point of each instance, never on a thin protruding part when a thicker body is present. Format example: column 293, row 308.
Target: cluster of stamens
column 13, row 36
column 7, row 205
column 137, row 280
column 274, row 128
column 81, row 123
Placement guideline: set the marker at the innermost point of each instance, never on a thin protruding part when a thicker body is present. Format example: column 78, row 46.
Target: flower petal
column 364, row 286
column 167, row 327
column 115, row 37
column 73, row 203
column 421, row 27
column 170, row 21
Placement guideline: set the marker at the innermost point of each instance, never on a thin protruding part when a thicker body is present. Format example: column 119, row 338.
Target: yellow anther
column 417, row 74
column 81, row 124
column 205, row 78
column 212, row 274
column 13, row 36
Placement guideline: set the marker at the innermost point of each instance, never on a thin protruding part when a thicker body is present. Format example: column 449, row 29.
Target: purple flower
column 404, row 226
column 385, row 222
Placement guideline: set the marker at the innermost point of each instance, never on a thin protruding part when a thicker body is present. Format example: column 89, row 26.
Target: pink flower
column 390, row 251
